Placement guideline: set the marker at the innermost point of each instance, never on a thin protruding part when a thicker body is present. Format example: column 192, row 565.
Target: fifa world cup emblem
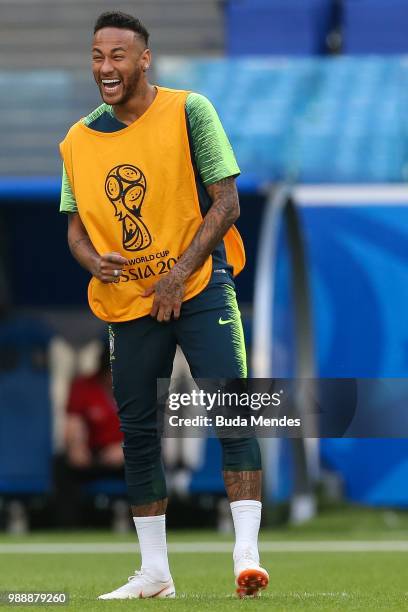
column 125, row 187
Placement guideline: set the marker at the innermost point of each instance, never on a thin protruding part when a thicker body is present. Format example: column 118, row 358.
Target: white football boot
column 250, row 577
column 142, row 586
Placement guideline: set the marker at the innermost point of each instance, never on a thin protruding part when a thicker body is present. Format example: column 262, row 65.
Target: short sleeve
column 212, row 150
column 68, row 203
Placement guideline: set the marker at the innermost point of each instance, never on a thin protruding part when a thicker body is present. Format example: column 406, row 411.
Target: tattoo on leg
column 154, row 509
column 243, row 485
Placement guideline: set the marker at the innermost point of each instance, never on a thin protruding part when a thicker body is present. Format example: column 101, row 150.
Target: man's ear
column 146, row 60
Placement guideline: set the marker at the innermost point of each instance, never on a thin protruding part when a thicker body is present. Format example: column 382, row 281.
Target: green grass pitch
column 324, row 581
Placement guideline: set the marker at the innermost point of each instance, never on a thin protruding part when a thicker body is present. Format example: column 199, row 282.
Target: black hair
column 116, row 19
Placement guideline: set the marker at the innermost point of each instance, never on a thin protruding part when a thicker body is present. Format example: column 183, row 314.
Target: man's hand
column 109, row 267
column 168, row 296
column 76, row 441
column 111, row 455
column 224, row 211
column 79, row 456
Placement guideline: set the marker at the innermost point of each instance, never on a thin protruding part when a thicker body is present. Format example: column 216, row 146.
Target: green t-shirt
column 211, row 149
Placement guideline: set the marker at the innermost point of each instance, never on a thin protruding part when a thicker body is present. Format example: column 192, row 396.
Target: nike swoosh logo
column 222, row 322
column 141, row 596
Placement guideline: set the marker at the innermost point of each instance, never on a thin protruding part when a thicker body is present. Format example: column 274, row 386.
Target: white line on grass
column 206, row 547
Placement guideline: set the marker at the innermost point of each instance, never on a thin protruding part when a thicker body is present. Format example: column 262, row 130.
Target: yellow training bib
column 136, row 195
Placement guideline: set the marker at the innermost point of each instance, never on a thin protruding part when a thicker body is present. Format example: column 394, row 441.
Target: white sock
column 246, row 515
column 151, row 531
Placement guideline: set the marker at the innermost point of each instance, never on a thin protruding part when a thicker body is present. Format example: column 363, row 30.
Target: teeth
column 109, row 81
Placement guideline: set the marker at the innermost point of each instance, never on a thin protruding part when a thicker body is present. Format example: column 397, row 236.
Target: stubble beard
column 131, row 89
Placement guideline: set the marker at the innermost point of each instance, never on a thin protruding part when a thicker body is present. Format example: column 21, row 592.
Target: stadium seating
column 315, row 120
column 46, row 34
column 375, row 26
column 312, row 119
column 282, row 27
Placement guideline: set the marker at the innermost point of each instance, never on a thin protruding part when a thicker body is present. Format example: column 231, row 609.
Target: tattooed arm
column 223, row 212
column 82, row 249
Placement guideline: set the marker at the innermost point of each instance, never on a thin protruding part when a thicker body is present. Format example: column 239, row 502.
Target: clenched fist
column 109, row 267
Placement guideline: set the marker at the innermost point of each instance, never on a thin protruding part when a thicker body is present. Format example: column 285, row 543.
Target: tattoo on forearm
column 156, row 508
column 243, row 485
column 222, row 214
column 73, row 245
column 83, row 251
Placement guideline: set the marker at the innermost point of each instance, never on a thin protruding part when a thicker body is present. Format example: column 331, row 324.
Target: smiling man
column 149, row 188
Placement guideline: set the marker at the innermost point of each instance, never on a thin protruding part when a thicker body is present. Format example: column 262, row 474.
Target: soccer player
column 149, row 185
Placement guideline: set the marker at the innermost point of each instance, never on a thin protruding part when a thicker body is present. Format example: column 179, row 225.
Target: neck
column 137, row 105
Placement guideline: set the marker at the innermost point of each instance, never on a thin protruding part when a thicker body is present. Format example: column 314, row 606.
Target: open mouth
column 111, row 86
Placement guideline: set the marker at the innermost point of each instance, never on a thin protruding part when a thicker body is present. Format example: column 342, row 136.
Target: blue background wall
column 357, row 259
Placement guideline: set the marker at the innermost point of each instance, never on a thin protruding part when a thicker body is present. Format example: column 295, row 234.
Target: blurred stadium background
column 313, row 95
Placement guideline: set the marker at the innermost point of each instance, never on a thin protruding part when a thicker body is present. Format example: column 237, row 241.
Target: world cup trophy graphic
column 125, row 187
